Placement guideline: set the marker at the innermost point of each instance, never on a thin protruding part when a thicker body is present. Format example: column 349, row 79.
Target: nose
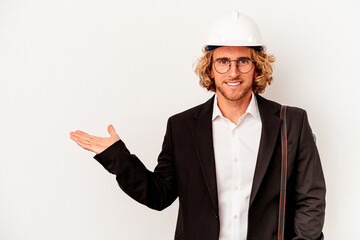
column 234, row 70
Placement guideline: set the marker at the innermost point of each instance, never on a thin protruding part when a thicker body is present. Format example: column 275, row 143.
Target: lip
column 234, row 84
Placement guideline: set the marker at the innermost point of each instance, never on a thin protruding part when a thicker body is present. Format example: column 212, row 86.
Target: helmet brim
column 212, row 47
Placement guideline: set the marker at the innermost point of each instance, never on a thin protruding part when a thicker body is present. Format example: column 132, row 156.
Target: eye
column 223, row 62
column 244, row 61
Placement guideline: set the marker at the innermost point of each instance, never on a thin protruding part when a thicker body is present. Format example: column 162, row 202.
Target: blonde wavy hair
column 263, row 69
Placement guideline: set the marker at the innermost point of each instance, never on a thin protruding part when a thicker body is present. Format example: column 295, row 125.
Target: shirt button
column 236, row 160
column 235, row 217
column 236, row 188
column 233, row 133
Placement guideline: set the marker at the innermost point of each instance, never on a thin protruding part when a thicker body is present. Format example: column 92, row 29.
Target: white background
column 76, row 64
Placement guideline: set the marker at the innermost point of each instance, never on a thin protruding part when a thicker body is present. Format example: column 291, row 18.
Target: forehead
column 231, row 52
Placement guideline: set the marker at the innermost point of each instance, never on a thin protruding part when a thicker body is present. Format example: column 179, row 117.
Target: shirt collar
column 252, row 109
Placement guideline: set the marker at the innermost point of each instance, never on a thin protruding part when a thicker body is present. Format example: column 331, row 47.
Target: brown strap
column 281, row 224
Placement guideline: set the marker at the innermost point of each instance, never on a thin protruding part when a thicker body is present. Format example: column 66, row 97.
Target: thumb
column 111, row 130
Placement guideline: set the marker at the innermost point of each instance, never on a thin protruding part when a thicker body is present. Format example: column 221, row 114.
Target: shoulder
column 293, row 111
column 204, row 108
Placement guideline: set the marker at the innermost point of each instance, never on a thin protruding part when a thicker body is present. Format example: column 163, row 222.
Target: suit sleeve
column 157, row 189
column 310, row 187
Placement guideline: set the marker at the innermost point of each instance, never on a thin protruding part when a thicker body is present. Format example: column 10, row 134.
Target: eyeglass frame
column 237, row 64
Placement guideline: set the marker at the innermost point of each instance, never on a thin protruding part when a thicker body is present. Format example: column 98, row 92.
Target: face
column 232, row 86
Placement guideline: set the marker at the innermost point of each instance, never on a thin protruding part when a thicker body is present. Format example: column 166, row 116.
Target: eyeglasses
column 244, row 65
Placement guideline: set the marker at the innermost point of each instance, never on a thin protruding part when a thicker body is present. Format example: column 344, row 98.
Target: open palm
column 93, row 143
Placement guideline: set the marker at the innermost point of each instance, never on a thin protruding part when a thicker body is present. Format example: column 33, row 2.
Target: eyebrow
column 226, row 58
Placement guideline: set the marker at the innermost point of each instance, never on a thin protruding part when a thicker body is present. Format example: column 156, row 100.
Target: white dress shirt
column 236, row 149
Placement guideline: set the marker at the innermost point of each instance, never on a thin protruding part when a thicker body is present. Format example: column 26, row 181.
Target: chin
column 235, row 97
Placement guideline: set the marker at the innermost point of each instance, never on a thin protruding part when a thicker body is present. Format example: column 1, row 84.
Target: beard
column 234, row 94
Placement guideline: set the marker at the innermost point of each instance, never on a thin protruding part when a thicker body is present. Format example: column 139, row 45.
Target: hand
column 93, row 143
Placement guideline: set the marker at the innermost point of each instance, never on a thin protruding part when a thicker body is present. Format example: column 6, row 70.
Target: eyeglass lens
column 223, row 65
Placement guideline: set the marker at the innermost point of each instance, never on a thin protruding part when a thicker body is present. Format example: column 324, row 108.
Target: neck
column 233, row 110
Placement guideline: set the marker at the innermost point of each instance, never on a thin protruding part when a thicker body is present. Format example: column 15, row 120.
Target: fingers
column 76, row 137
column 81, row 142
column 82, row 134
column 85, row 136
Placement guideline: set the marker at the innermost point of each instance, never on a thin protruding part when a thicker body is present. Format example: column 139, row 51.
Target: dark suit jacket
column 186, row 169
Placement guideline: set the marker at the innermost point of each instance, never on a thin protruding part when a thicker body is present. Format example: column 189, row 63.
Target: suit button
column 216, row 216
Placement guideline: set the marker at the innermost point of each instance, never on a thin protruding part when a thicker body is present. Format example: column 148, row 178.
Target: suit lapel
column 203, row 139
column 270, row 130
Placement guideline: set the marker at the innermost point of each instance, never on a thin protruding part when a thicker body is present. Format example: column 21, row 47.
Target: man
column 223, row 158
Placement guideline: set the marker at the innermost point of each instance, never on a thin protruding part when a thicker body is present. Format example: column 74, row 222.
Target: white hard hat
column 235, row 29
